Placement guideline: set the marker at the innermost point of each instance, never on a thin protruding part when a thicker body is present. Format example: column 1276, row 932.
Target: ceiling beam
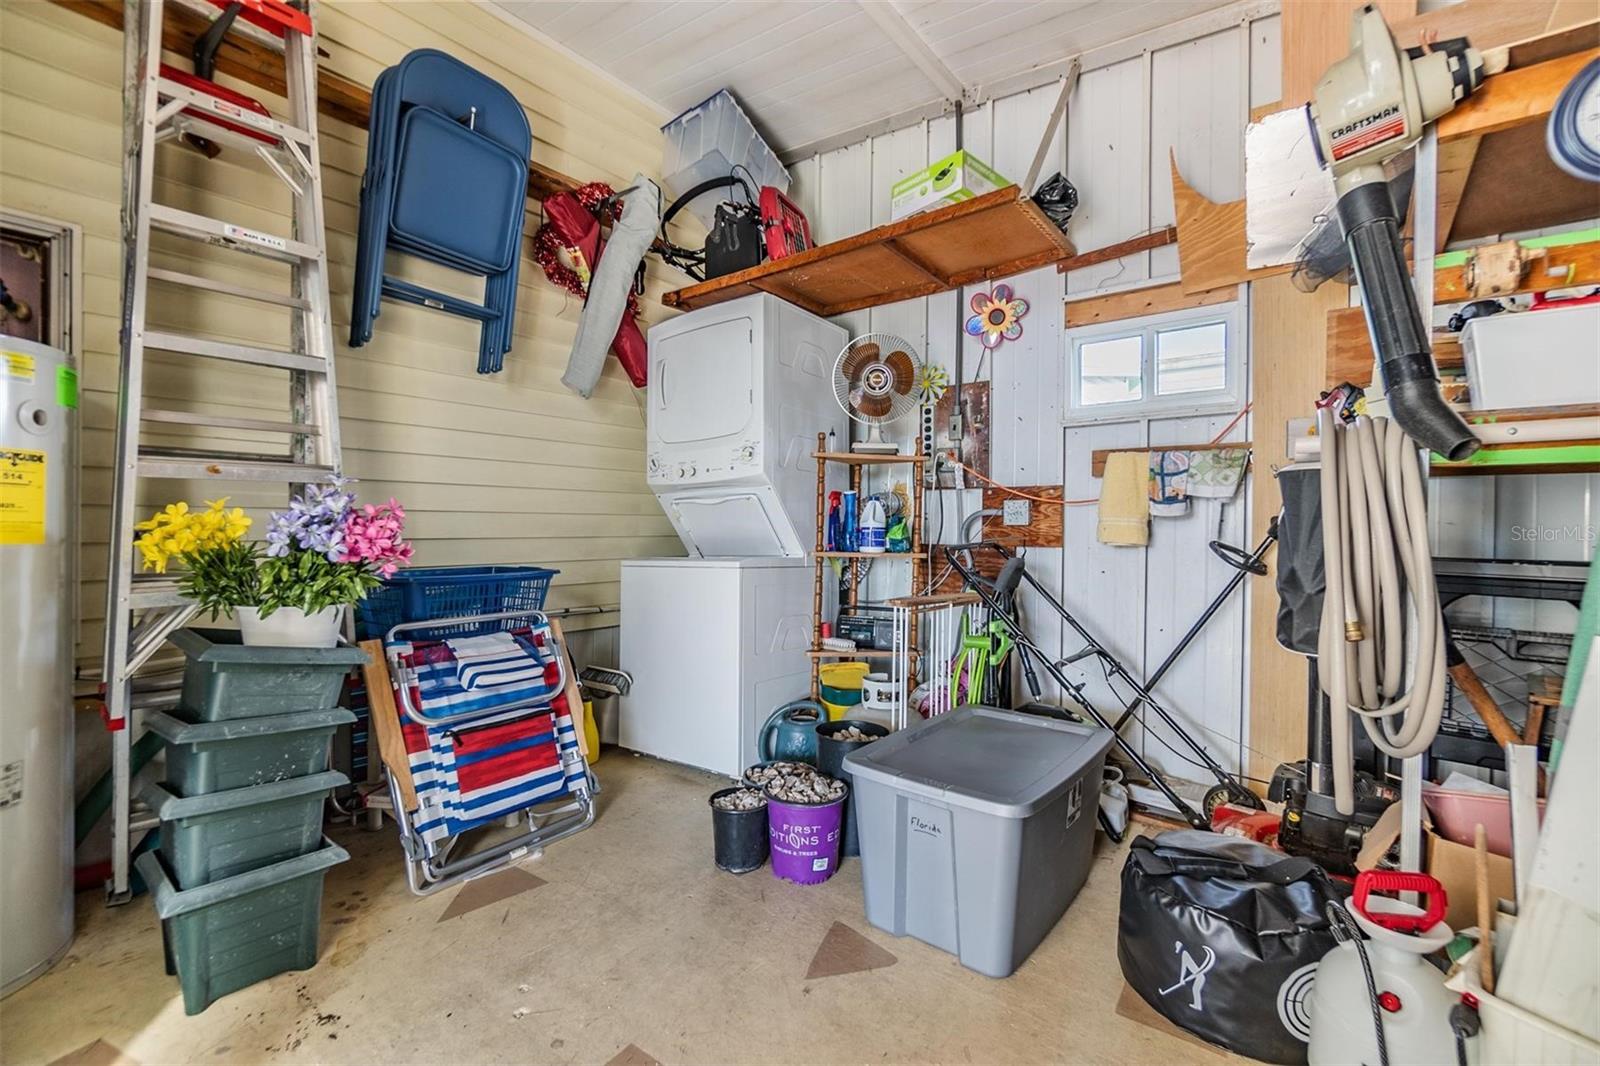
column 908, row 40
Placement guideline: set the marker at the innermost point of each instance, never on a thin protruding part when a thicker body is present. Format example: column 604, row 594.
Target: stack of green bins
column 237, row 879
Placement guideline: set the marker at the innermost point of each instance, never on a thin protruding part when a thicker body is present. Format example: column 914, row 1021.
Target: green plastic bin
column 223, row 679
column 206, row 757
column 231, row 933
column 207, row 838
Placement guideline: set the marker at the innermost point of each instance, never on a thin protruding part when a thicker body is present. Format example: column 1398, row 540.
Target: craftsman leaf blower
column 1369, row 107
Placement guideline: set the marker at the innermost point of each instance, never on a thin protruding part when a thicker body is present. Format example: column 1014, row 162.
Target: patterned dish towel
column 1169, row 484
column 1217, row 473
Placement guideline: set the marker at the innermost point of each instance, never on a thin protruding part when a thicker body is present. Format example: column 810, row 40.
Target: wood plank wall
column 493, row 469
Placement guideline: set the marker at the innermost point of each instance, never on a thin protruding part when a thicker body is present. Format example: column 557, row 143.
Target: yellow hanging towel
column 1125, row 500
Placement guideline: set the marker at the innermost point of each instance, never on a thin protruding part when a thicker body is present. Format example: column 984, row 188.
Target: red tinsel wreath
column 547, row 245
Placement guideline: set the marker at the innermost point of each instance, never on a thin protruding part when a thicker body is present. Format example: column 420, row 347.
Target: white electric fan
column 876, row 379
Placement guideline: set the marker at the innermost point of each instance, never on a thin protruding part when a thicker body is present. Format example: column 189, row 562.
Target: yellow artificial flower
column 175, row 531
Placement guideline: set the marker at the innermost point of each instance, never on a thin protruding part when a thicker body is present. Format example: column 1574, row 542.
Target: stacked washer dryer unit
column 738, row 393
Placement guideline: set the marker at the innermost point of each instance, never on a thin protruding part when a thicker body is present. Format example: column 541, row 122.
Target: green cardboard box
column 958, row 176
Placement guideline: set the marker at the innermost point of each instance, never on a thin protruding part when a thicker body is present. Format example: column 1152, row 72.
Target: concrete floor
column 634, row 948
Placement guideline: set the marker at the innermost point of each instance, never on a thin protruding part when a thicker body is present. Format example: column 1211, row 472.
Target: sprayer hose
column 1376, row 554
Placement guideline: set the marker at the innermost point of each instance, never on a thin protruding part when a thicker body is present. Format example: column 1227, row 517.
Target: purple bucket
column 805, row 839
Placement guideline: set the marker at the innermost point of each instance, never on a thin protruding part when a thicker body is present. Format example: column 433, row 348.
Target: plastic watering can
column 791, row 732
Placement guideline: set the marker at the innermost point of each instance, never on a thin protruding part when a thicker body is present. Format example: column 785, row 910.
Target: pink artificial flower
column 373, row 535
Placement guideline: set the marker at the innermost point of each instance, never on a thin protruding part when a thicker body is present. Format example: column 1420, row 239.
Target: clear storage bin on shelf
column 708, row 141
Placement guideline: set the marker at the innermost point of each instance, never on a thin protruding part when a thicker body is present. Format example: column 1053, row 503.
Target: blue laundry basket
column 425, row 593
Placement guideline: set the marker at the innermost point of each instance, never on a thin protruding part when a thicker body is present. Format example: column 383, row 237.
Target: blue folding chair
column 446, row 181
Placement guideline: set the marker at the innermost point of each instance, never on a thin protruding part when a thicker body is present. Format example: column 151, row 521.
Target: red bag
column 571, row 225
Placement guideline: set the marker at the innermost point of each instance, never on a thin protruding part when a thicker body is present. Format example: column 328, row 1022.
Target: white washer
column 713, row 646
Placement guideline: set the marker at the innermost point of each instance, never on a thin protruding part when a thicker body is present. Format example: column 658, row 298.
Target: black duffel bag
column 1222, row 936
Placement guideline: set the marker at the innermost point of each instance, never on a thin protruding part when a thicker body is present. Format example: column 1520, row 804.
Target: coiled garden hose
column 1377, row 561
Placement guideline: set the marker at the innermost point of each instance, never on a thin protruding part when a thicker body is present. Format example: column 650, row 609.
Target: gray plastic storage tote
column 977, row 830
column 207, row 757
column 210, row 837
column 232, row 933
column 225, row 679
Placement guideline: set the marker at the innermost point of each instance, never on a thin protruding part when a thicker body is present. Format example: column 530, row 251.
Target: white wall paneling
column 1194, row 95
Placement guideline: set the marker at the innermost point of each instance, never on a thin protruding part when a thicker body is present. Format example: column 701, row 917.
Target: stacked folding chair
column 446, row 181
column 480, row 733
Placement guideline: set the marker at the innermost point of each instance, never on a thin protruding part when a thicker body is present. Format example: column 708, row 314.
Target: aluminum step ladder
column 160, row 105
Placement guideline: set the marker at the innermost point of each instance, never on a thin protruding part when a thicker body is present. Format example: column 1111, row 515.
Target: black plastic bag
column 1057, row 199
column 1222, row 937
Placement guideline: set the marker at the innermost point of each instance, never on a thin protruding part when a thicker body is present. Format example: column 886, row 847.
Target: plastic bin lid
column 983, row 758
column 171, row 901
column 171, row 807
column 174, row 731
column 226, row 646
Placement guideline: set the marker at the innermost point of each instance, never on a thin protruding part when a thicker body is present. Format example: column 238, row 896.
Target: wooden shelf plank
column 866, row 458
column 1097, row 458
column 994, row 235
column 859, row 653
column 864, row 555
column 1533, row 457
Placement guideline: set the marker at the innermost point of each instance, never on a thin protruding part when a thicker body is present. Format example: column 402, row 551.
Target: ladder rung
column 156, row 590
column 217, row 109
column 238, row 353
column 256, row 425
column 226, row 466
column 215, row 231
column 178, row 277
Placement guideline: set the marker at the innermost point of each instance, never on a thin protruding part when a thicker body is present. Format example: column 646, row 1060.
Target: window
column 1180, row 362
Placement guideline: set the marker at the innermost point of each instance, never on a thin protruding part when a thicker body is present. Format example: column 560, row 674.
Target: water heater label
column 22, row 474
column 19, row 366
column 11, row 783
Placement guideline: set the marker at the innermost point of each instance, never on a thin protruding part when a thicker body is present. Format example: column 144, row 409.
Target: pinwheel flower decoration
column 996, row 316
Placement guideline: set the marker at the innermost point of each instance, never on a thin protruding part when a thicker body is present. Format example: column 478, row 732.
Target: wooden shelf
column 1533, row 457
column 863, row 555
column 995, row 235
column 1098, row 457
column 866, row 458
column 860, row 653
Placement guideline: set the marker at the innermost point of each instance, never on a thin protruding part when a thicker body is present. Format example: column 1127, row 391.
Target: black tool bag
column 1222, row 936
column 1300, row 574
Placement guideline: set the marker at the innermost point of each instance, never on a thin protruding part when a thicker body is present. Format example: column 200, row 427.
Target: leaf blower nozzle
column 1400, row 337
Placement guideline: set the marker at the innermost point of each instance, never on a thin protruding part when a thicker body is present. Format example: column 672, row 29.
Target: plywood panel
column 1287, row 337
column 1044, row 529
column 1317, row 32
column 1198, row 94
column 1136, row 303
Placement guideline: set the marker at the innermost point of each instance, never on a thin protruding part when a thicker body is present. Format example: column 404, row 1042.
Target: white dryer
column 738, row 393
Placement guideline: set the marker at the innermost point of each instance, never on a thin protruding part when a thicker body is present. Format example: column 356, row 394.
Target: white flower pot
column 290, row 627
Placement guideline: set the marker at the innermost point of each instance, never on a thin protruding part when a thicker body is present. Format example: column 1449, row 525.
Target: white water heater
column 38, row 526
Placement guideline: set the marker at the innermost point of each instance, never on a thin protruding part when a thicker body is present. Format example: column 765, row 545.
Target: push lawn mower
column 999, row 596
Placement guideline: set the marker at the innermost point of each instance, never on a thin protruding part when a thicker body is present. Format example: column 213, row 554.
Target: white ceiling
column 811, row 69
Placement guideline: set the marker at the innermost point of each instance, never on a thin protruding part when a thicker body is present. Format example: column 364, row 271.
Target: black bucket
column 740, row 837
column 830, row 760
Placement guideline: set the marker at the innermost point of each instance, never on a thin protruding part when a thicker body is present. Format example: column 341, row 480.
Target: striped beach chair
column 486, row 732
